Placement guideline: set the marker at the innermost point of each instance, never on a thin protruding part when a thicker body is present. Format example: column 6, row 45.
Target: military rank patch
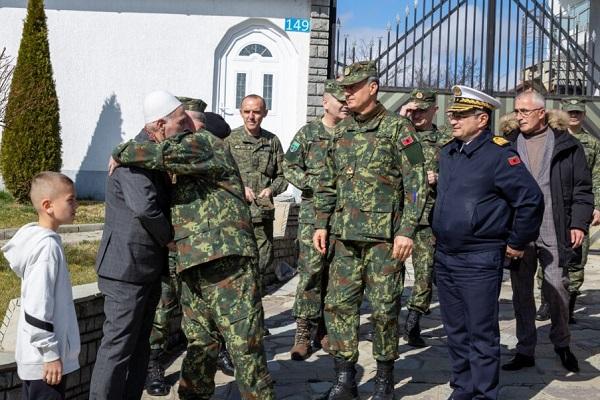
column 500, row 141
column 407, row 141
column 294, row 146
column 514, row 160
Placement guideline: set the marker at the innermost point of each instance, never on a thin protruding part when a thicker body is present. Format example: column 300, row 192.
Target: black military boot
column 384, row 381
column 224, row 362
column 412, row 329
column 345, row 384
column 155, row 379
column 543, row 313
column 572, row 300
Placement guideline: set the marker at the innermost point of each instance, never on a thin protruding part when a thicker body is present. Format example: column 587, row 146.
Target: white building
column 107, row 54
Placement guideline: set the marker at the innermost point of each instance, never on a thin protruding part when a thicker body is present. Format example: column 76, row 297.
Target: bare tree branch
column 6, row 70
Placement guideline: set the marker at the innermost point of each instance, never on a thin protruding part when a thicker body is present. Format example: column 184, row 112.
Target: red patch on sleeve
column 407, row 141
column 514, row 160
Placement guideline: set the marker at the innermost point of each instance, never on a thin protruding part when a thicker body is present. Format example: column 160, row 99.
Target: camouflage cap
column 192, row 104
column 358, row 72
column 573, row 104
column 424, row 98
column 333, row 88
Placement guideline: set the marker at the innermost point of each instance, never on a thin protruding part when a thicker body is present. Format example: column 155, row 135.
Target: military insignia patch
column 419, row 95
column 500, row 141
column 349, row 170
column 294, row 146
column 514, row 160
column 407, row 141
column 457, row 92
column 347, row 71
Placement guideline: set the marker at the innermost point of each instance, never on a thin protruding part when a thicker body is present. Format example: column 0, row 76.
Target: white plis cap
column 159, row 104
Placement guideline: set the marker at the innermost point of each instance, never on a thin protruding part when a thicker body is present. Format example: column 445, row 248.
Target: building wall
column 108, row 54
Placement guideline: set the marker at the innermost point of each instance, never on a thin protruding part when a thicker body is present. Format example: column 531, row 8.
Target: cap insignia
column 457, row 92
column 419, row 95
column 347, row 71
column 574, row 101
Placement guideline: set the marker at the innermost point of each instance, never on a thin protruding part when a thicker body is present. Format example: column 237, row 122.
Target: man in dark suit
column 131, row 259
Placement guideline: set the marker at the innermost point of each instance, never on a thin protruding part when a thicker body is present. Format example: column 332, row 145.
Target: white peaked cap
column 467, row 98
column 159, row 104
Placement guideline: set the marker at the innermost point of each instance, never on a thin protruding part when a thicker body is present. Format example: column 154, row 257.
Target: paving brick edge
column 8, row 233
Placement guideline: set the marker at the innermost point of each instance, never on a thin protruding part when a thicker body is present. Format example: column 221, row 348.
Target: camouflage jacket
column 432, row 142
column 591, row 145
column 373, row 184
column 209, row 212
column 260, row 161
column 303, row 163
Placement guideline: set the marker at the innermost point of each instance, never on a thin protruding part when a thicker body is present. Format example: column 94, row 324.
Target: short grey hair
column 537, row 98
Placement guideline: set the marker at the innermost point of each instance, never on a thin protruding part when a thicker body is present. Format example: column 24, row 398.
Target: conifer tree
column 31, row 139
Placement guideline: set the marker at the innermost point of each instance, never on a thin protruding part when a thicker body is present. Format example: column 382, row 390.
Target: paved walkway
column 423, row 373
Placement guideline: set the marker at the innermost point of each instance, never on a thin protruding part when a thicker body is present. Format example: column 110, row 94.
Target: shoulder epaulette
column 500, row 141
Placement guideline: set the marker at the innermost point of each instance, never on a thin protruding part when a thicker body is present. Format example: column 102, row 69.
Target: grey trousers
column 554, row 290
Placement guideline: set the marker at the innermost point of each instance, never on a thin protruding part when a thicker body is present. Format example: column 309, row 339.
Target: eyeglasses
column 525, row 112
column 461, row 115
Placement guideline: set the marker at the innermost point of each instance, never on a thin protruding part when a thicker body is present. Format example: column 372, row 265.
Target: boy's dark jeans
column 40, row 390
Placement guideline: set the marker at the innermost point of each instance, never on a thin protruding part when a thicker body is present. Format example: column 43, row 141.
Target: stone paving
column 423, row 373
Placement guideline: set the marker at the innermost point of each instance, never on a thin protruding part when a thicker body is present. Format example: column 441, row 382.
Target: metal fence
column 494, row 45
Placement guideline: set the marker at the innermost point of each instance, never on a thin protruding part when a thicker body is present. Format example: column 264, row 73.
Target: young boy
column 48, row 335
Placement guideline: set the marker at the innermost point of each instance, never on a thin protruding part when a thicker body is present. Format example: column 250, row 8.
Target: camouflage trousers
column 263, row 231
column 357, row 268
column 168, row 307
column 313, row 273
column 575, row 270
column 221, row 298
column 422, row 261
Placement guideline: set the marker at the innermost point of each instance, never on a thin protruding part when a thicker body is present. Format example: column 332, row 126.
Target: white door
column 252, row 68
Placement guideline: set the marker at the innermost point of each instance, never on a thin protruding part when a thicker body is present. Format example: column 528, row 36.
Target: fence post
column 489, row 48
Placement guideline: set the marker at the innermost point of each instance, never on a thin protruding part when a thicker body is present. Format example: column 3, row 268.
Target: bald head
column 48, row 185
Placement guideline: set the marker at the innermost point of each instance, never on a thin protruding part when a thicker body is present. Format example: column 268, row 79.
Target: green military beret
column 192, row 104
column 573, row 104
column 333, row 88
column 358, row 72
column 424, row 98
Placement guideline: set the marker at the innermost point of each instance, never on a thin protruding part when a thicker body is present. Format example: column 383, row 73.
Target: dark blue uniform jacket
column 486, row 198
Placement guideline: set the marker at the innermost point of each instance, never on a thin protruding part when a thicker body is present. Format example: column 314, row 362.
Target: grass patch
column 81, row 258
column 14, row 215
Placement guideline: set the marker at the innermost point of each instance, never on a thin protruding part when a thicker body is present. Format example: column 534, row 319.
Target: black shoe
column 384, row 381
column 518, row 362
column 412, row 330
column 155, row 380
column 568, row 359
column 572, row 300
column 224, row 362
column 344, row 387
column 543, row 313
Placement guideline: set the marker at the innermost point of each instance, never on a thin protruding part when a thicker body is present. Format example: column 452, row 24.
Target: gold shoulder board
column 500, row 141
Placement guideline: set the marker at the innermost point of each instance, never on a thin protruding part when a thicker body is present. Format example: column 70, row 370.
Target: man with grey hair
column 132, row 257
column 557, row 162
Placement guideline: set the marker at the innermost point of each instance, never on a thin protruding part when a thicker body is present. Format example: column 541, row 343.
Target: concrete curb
column 6, row 234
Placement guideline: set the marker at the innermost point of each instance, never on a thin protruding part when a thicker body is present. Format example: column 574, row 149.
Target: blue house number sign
column 297, row 24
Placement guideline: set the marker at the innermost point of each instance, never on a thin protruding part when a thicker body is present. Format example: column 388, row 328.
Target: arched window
column 255, row 48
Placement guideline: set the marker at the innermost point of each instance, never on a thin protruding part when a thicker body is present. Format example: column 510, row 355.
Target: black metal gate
column 495, row 45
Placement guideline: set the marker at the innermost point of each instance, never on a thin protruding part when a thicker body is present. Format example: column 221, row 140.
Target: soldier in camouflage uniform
column 303, row 164
column 421, row 110
column 371, row 193
column 259, row 156
column 576, row 108
column 216, row 260
column 168, row 308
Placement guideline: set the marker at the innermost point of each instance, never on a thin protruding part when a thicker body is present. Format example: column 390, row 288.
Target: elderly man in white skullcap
column 132, row 257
